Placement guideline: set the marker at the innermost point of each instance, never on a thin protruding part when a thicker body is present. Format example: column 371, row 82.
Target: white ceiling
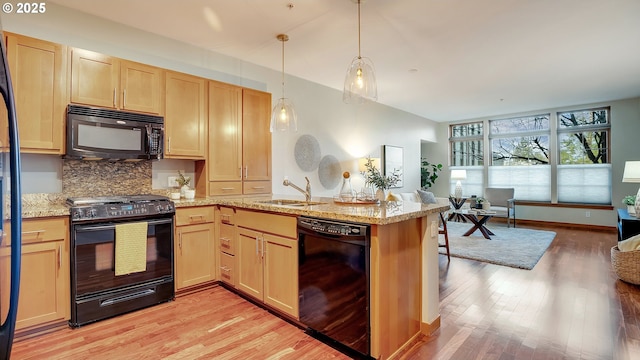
column 441, row 59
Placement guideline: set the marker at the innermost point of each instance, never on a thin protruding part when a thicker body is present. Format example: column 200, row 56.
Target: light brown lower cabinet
column 226, row 232
column 44, row 275
column 194, row 250
column 267, row 260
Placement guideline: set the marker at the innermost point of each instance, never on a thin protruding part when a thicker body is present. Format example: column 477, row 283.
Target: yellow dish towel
column 131, row 248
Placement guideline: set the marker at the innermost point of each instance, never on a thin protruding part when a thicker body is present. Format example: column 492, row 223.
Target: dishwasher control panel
column 332, row 227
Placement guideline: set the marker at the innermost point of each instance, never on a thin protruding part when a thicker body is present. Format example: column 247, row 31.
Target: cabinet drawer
column 225, row 188
column 40, row 230
column 257, row 187
column 228, row 239
column 267, row 222
column 227, row 268
column 227, row 215
column 194, row 215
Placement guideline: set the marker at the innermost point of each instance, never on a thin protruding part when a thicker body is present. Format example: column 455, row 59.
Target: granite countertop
column 381, row 214
column 46, row 205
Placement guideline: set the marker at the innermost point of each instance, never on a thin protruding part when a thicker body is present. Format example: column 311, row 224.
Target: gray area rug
column 515, row 247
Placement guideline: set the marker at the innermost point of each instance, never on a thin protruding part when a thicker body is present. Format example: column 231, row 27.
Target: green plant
column 629, row 200
column 183, row 180
column 373, row 176
column 428, row 173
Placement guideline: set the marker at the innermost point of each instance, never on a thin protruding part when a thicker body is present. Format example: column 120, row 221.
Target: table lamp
column 458, row 175
column 632, row 175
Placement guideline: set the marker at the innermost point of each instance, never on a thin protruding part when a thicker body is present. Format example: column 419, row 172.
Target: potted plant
column 184, row 182
column 479, row 202
column 373, row 177
column 428, row 173
column 630, row 201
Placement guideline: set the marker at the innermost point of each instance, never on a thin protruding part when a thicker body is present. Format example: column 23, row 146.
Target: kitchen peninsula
column 404, row 285
column 404, row 281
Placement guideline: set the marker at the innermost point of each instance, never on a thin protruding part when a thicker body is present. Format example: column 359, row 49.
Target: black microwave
column 106, row 134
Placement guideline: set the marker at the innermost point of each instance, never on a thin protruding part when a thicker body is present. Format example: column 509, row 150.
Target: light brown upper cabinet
column 225, row 136
column 39, row 77
column 240, row 155
column 185, row 116
column 256, row 141
column 109, row 82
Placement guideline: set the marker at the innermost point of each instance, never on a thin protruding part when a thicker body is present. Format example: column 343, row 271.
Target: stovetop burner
column 101, row 200
column 119, row 207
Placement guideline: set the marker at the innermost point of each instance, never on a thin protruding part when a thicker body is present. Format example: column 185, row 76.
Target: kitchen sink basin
column 289, row 202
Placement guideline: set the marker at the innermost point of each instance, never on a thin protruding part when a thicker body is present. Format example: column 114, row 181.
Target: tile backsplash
column 105, row 178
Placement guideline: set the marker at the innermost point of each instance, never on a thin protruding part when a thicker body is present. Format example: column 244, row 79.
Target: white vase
column 631, row 209
column 380, row 195
column 183, row 190
column 486, row 205
column 189, row 194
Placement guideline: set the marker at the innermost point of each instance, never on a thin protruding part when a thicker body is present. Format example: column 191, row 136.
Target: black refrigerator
column 10, row 208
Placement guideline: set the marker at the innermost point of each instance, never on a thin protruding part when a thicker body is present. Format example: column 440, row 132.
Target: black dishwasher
column 334, row 282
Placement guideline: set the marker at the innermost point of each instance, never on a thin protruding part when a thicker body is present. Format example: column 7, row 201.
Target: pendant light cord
column 359, row 56
column 283, row 40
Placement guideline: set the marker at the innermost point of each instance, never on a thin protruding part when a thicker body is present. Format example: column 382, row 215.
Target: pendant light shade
column 283, row 117
column 360, row 82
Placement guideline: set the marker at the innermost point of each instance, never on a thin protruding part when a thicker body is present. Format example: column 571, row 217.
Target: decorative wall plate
column 329, row 172
column 307, row 153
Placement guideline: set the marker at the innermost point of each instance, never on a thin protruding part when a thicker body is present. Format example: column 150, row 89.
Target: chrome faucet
column 307, row 193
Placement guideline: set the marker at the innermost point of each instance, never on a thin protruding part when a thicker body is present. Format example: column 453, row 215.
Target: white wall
column 344, row 131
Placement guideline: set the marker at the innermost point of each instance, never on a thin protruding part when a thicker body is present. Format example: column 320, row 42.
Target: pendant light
column 283, row 117
column 360, row 82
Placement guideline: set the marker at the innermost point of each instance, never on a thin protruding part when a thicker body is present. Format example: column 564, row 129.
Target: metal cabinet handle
column 59, row 256
column 246, row 172
column 226, row 189
column 258, row 187
column 198, row 217
column 180, row 241
column 263, row 249
column 169, row 144
column 256, row 245
column 33, row 232
column 115, row 97
column 124, row 98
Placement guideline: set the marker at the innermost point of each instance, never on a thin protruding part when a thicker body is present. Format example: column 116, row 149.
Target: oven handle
column 113, row 226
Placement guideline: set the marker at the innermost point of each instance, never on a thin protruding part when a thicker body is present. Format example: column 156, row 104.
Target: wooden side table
column 457, row 205
column 628, row 225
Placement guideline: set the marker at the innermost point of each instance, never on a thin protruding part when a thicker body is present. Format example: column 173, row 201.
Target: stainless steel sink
column 289, row 202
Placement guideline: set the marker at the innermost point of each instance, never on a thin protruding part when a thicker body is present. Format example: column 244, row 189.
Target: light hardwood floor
column 570, row 306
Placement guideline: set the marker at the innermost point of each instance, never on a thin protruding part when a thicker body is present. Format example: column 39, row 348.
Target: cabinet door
column 256, row 137
column 225, row 132
column 281, row 274
column 194, row 255
column 39, row 77
column 94, row 78
column 249, row 263
column 185, row 116
column 44, row 279
column 142, row 88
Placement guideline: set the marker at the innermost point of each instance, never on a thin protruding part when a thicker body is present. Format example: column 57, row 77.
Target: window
column 584, row 168
column 466, row 144
column 520, row 156
column 526, row 152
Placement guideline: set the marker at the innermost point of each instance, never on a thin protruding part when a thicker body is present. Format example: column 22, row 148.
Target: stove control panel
column 124, row 210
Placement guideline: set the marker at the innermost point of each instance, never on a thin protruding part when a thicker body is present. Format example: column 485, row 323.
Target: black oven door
column 93, row 262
